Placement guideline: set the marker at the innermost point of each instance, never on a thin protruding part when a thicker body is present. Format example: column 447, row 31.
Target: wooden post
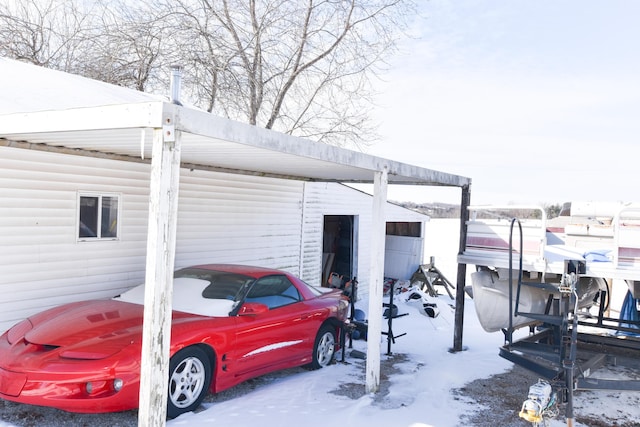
column 461, row 280
column 161, row 243
column 374, row 329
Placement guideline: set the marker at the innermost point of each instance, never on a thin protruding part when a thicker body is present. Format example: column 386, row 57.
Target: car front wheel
column 189, row 380
column 324, row 347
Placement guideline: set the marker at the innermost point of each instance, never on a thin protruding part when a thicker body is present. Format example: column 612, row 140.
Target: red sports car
column 230, row 323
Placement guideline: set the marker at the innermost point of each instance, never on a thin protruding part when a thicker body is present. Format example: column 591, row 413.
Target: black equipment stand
column 391, row 313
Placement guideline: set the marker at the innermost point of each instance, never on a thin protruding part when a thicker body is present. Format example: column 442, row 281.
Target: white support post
column 161, row 243
column 374, row 329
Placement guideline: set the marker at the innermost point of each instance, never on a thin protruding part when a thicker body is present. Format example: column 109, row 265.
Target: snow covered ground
column 418, row 393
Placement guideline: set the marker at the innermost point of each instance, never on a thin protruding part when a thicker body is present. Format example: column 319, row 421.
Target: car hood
column 74, row 323
column 88, row 330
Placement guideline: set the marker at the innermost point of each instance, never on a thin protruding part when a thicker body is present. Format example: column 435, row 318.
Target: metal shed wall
column 322, row 199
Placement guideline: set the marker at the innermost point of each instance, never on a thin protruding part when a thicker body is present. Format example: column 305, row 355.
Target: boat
column 535, row 251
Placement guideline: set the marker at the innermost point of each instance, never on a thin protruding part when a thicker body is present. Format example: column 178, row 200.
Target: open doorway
column 338, row 247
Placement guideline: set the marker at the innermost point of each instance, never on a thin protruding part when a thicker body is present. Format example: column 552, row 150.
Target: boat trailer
column 566, row 345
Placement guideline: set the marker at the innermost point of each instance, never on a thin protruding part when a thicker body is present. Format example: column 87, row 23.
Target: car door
column 277, row 338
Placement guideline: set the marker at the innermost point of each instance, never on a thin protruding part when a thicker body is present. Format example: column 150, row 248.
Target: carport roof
column 56, row 109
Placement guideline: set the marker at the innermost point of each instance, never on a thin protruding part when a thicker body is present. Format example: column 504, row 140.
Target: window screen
column 98, row 217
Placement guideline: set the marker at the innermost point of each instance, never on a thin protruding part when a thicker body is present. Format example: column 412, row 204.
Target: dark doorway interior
column 338, row 245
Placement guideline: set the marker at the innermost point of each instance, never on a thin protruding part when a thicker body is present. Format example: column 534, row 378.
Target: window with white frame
column 98, row 216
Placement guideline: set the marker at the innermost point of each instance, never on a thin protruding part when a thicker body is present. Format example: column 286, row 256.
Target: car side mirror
column 252, row 309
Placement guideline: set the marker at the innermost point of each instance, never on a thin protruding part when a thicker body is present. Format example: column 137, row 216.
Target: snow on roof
column 56, row 90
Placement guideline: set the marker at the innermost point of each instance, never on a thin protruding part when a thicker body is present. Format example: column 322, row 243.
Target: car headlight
column 102, row 388
column 343, row 307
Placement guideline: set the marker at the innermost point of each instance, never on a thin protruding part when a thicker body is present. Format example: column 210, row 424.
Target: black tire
column 189, row 380
column 324, row 348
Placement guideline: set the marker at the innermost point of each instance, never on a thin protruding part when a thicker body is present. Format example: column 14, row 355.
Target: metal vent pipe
column 176, row 82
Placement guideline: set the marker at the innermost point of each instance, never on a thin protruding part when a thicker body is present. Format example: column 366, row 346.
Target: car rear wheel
column 324, row 347
column 189, row 380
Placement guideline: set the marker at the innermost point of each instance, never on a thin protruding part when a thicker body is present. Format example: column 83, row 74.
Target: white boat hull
column 491, row 299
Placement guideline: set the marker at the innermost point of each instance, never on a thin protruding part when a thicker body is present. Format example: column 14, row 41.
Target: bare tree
column 304, row 67
column 116, row 42
column 128, row 47
column 44, row 32
column 300, row 67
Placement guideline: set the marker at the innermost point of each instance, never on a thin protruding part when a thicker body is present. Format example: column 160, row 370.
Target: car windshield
column 222, row 284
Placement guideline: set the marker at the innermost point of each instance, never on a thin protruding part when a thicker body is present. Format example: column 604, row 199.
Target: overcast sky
column 536, row 101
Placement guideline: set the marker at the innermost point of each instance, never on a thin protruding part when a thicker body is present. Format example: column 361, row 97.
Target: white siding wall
column 221, row 218
column 41, row 262
column 239, row 219
column 322, row 199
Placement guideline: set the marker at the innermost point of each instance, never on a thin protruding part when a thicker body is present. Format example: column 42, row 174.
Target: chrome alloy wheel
column 187, row 382
column 325, row 348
